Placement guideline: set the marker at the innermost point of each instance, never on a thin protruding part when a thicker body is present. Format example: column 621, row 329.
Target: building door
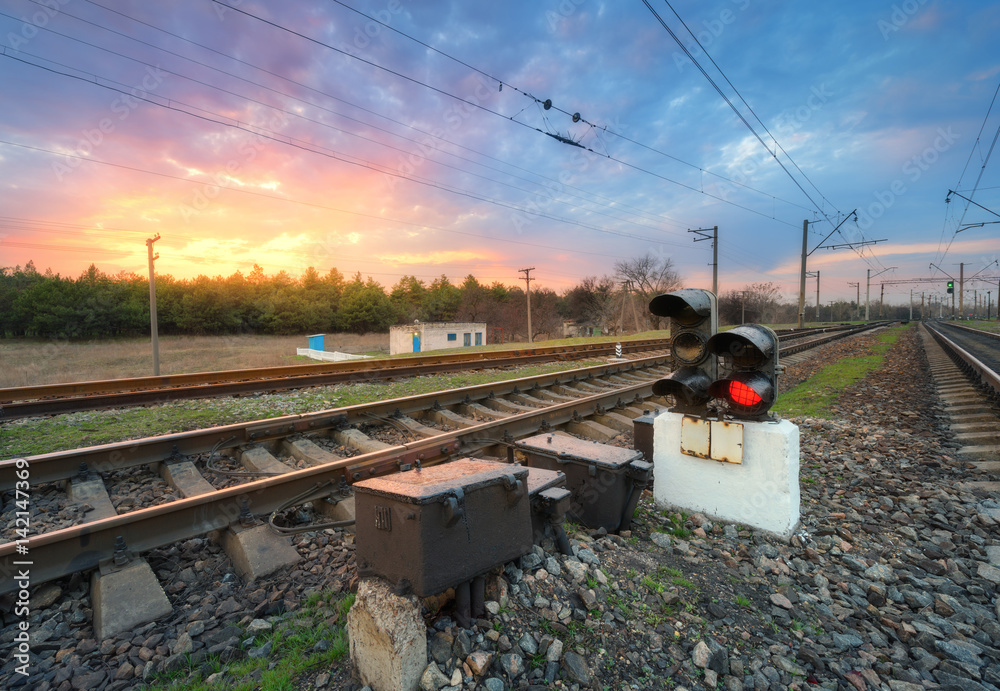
column 416, row 343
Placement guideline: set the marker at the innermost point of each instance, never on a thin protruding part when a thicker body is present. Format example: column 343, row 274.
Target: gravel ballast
column 889, row 584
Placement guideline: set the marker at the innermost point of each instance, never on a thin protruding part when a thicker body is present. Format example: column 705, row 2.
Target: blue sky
column 297, row 134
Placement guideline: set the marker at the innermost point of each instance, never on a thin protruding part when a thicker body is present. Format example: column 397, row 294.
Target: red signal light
column 742, row 395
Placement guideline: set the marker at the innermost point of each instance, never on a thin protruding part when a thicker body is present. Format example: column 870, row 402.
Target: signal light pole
column 714, row 237
column 527, row 289
column 152, row 305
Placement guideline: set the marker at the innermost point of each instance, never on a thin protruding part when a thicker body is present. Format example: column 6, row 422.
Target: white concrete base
column 387, row 636
column 329, row 355
column 762, row 492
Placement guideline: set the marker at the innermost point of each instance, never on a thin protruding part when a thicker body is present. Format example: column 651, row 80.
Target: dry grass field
column 28, row 362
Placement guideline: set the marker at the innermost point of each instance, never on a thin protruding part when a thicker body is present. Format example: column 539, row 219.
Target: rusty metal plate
column 727, row 441
column 569, row 449
column 540, row 479
column 696, row 437
column 428, row 484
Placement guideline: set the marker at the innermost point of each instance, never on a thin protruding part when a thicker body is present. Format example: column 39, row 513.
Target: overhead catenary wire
column 583, row 194
column 610, row 204
column 552, row 106
column 743, row 118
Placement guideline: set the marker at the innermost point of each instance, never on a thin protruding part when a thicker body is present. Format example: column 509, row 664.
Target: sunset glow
column 240, row 142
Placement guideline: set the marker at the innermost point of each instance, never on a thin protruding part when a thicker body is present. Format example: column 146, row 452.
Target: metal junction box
column 438, row 527
column 550, row 500
column 606, row 481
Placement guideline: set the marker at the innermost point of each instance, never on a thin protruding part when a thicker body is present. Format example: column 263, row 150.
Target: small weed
column 743, row 601
column 683, row 583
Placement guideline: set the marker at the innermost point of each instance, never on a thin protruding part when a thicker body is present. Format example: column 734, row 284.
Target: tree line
column 37, row 304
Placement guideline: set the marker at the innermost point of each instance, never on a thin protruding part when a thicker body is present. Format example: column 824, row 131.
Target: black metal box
column 606, row 481
column 438, row 527
column 550, row 500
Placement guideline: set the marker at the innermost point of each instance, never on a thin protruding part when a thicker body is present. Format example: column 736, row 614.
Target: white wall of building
column 436, row 336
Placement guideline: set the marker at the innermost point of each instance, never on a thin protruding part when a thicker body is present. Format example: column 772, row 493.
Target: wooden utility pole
column 857, row 303
column 527, row 289
column 152, row 305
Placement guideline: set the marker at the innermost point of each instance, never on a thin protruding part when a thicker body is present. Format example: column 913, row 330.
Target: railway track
column 965, row 363
column 209, row 478
column 54, row 399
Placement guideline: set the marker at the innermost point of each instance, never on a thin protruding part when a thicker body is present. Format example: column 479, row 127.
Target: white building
column 420, row 337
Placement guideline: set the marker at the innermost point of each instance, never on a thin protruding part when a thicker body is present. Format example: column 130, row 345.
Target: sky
column 397, row 137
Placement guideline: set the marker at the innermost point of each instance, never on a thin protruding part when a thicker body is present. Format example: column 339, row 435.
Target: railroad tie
column 259, row 460
column 90, row 491
column 358, row 440
column 308, row 451
column 447, row 417
column 185, row 478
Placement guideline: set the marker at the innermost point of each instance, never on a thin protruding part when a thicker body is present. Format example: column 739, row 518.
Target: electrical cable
column 311, row 120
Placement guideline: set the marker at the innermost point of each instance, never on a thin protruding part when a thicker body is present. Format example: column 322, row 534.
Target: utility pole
column 714, row 237
column 527, row 289
column 857, row 303
column 922, row 307
column 961, row 291
column 868, row 292
column 911, row 304
column 152, row 305
column 802, row 274
column 817, row 297
column 881, row 300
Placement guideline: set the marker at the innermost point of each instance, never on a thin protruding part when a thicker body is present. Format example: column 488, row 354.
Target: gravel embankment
column 888, row 585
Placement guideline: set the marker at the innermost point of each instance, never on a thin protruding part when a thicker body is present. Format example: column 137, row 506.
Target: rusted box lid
column 568, row 449
column 428, row 485
column 540, row 479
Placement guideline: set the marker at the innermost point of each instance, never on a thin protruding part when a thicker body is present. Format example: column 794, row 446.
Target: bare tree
column 755, row 303
column 650, row 275
column 646, row 277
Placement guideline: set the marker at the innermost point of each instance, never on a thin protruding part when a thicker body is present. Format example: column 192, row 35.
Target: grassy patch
column 814, row 396
column 76, row 430
column 294, row 652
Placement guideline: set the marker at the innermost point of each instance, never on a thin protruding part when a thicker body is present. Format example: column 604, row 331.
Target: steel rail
column 54, row 399
column 63, row 465
column 970, row 329
column 84, row 547
column 261, row 374
column 967, row 361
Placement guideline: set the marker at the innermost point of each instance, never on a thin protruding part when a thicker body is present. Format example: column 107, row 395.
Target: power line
column 300, row 202
column 481, row 107
column 341, row 158
column 655, row 217
column 552, row 106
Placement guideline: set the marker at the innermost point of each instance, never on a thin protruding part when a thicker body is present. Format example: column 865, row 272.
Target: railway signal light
column 749, row 355
column 693, row 321
column 951, row 286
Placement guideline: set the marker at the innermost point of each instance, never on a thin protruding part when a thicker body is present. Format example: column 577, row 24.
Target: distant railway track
column 55, row 399
column 254, row 468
